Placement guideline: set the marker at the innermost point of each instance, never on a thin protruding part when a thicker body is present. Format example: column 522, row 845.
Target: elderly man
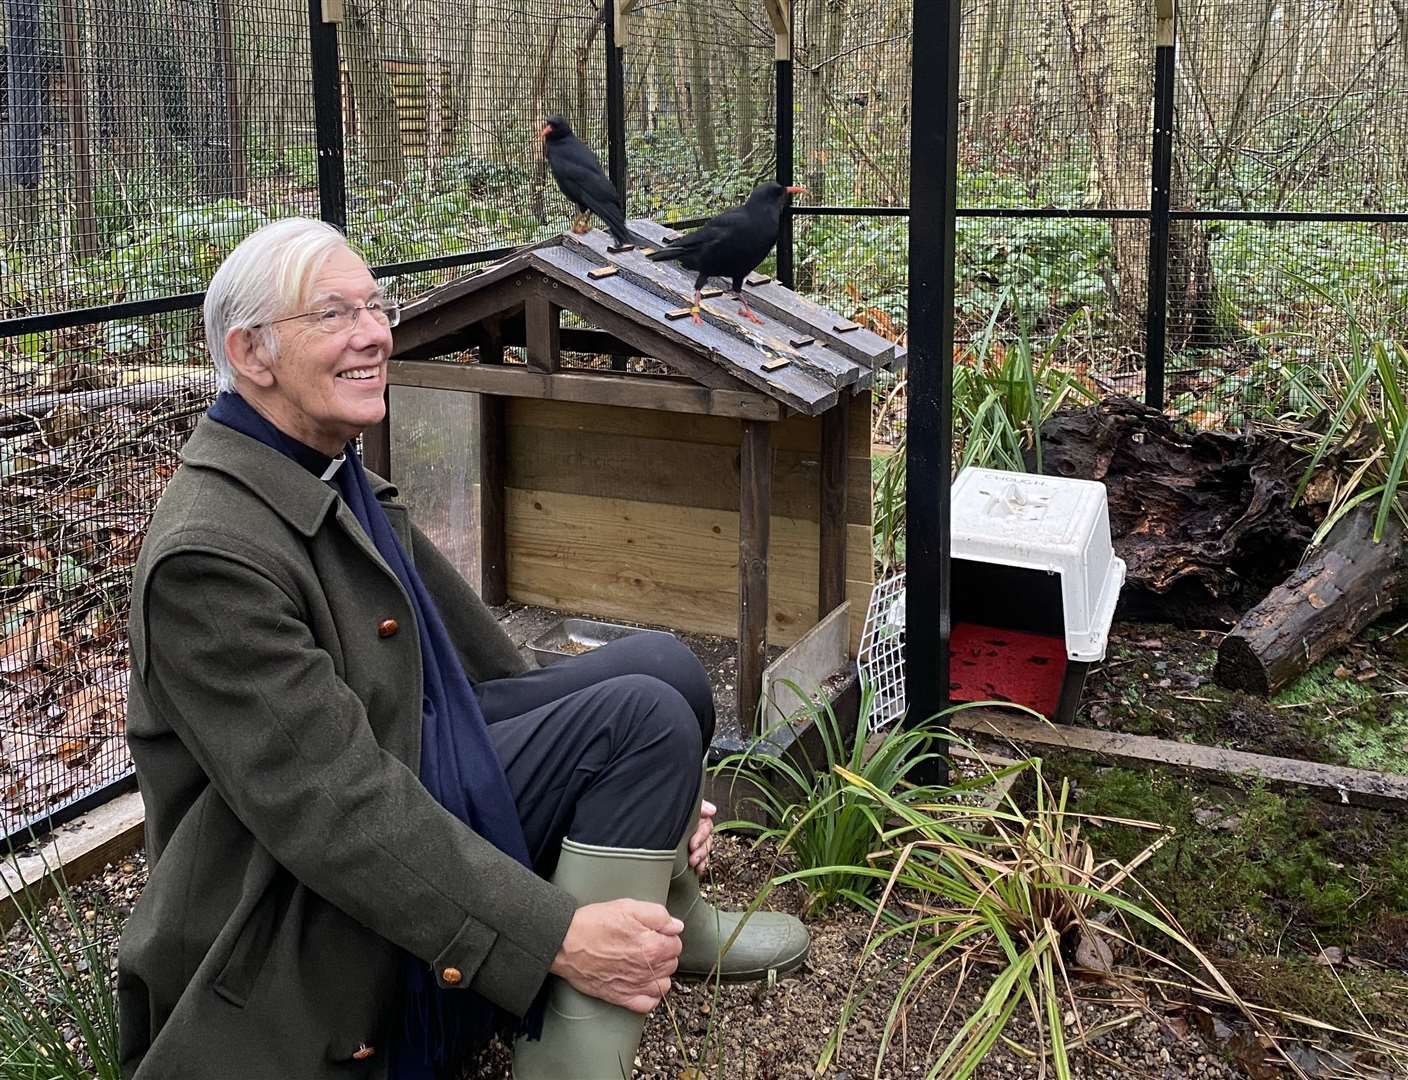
column 374, row 836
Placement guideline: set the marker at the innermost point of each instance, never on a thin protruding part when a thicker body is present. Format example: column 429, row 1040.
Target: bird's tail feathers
column 615, row 219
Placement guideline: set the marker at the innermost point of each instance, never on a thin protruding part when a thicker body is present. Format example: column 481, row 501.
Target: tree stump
column 1203, row 520
column 1342, row 587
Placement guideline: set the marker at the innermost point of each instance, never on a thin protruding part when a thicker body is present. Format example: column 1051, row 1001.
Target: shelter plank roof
column 826, row 360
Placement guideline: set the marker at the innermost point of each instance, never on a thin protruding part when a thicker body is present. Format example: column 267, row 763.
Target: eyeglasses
column 335, row 317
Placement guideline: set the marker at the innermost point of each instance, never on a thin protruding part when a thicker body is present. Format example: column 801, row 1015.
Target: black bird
column 578, row 174
column 733, row 243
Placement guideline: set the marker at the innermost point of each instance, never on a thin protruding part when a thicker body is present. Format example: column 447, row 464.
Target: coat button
column 451, row 975
column 387, row 627
column 363, row 1052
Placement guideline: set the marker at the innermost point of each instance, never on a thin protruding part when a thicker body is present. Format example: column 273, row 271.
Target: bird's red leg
column 746, row 311
column 694, row 315
column 580, row 224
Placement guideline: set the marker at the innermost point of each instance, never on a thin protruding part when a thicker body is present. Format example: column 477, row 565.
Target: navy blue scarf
column 458, row 764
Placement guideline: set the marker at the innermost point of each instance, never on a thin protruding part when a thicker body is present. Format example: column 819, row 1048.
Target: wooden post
column 831, row 571
column 754, row 519
column 543, row 330
column 493, row 461
column 376, row 443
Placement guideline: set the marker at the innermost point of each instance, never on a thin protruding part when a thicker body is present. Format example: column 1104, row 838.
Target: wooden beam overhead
column 1165, row 12
column 780, row 15
column 620, row 25
column 591, row 387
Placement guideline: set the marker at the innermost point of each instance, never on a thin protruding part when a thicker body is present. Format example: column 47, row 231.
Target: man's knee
column 658, row 718
column 674, row 663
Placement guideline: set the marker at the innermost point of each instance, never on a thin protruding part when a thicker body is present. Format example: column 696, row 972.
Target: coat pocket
column 236, row 979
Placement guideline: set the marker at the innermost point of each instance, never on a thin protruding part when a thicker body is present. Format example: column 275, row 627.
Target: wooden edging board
column 807, row 663
column 1336, row 783
column 76, row 850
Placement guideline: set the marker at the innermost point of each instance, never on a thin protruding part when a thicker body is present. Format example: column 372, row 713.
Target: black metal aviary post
column 783, row 124
column 327, row 116
column 933, row 214
column 1156, row 326
column 615, row 107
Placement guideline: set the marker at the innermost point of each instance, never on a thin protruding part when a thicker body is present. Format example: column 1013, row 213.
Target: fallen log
column 1341, row 587
column 1202, row 519
column 24, row 416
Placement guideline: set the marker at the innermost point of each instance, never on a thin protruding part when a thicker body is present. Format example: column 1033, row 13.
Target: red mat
column 987, row 664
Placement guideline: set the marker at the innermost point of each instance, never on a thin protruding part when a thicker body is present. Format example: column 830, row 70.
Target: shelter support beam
column 754, row 522
column 493, row 469
column 831, row 573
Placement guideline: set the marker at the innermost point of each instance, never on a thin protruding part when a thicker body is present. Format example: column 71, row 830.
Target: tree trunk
column 537, row 195
column 986, row 76
column 1110, row 52
column 1043, row 79
column 745, row 114
column 85, row 227
column 700, row 93
column 1343, row 586
column 379, row 129
column 1192, row 289
column 822, row 32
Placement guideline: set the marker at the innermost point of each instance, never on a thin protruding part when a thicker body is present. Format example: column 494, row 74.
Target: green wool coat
column 274, row 718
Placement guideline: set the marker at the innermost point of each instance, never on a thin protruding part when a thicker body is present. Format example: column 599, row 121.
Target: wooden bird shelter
column 721, row 487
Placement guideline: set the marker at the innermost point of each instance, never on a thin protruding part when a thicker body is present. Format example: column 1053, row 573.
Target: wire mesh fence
column 141, row 139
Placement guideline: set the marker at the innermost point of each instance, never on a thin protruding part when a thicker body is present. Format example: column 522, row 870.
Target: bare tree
column 1111, row 50
column 377, row 123
column 700, row 93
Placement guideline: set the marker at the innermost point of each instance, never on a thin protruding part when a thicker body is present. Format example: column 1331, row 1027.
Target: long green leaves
column 813, row 810
column 58, row 1010
column 1015, row 894
column 1359, row 399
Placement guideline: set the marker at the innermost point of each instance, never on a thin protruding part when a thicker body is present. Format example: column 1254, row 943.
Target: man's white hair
column 269, row 274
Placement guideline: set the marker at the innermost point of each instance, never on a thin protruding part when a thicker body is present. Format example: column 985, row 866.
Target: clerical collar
column 233, row 411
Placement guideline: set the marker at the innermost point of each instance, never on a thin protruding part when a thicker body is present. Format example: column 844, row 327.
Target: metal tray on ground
column 574, row 636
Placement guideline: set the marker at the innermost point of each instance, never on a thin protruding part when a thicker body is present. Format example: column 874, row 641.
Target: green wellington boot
column 768, row 941
column 584, row 1037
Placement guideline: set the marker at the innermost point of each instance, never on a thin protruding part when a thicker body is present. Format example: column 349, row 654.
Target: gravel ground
column 755, row 1032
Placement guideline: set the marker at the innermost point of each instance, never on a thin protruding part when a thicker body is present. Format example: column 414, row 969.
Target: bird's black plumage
column 580, row 177
column 733, row 243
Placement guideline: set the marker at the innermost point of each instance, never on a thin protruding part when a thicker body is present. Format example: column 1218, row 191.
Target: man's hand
column 702, row 842
column 621, row 951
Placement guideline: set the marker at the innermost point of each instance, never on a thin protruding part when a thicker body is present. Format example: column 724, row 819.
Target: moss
column 1334, row 996
column 1261, row 866
column 1321, row 687
column 1353, row 721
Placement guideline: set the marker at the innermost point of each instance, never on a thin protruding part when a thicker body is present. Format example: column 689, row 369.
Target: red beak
column 544, row 133
column 797, row 189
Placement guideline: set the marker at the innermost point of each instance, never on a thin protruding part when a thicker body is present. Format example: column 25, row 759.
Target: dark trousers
column 606, row 747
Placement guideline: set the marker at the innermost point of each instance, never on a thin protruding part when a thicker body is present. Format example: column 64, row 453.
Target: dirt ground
column 757, row 1032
